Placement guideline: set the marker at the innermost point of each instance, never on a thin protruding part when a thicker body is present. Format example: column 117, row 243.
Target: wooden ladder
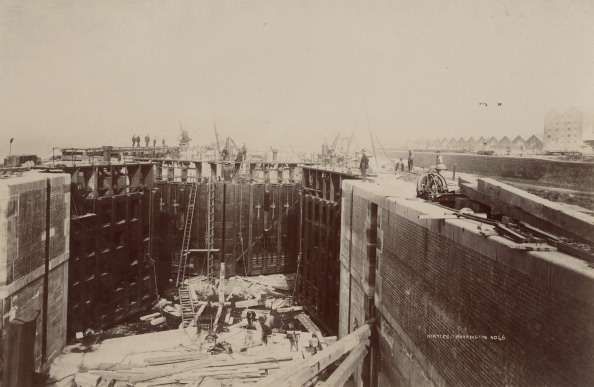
column 187, row 305
column 210, row 226
column 183, row 254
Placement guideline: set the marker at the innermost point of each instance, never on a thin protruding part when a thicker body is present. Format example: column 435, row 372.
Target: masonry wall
column 456, row 308
column 33, row 273
column 564, row 174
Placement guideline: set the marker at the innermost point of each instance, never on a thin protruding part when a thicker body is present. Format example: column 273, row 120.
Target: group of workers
column 364, row 163
column 265, row 324
column 400, row 164
column 147, row 141
column 265, row 327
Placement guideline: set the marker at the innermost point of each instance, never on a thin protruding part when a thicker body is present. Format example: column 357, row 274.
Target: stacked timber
column 187, row 369
column 274, row 366
column 308, row 371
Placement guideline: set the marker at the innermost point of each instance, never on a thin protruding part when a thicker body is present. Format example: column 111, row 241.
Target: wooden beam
column 221, row 295
column 347, row 367
column 311, row 327
column 524, row 213
column 304, row 370
column 579, row 223
column 199, row 312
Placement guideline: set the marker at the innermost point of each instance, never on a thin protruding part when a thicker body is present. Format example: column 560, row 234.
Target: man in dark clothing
column 364, row 164
column 239, row 159
column 314, row 344
column 266, row 330
column 293, row 337
column 410, row 160
column 251, row 318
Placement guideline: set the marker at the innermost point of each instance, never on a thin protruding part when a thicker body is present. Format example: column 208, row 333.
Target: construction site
column 223, row 193
column 136, row 267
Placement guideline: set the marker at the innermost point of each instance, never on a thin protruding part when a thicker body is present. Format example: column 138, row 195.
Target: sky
column 287, row 73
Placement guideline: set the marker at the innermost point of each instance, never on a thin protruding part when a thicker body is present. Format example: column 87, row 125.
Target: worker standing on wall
column 439, row 165
column 364, row 164
column 410, row 160
column 240, row 158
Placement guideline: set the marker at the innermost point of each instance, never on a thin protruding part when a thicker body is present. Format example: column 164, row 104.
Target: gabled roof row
column 469, row 143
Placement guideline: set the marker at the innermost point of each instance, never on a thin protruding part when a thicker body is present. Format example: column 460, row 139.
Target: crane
column 349, row 142
column 335, row 141
column 373, row 149
column 218, row 141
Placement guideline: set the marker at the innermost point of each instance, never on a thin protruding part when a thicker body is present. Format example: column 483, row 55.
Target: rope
column 150, row 255
column 240, row 227
column 300, row 252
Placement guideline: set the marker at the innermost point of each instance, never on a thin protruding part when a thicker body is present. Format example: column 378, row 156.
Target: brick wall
column 502, row 316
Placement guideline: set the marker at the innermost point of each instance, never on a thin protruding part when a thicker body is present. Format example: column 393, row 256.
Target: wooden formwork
column 261, row 225
column 318, row 285
column 114, row 245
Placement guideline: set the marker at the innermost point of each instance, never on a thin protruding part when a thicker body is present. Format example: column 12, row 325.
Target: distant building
column 472, row 144
column 481, row 143
column 433, row 144
column 518, row 145
column 563, row 132
column 452, row 144
column 534, row 144
column 20, row 160
column 504, row 145
column 492, row 143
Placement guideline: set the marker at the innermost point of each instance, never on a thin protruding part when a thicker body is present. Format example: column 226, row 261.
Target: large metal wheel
column 430, row 185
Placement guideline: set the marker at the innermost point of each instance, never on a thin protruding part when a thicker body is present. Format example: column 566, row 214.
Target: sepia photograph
column 301, row 193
